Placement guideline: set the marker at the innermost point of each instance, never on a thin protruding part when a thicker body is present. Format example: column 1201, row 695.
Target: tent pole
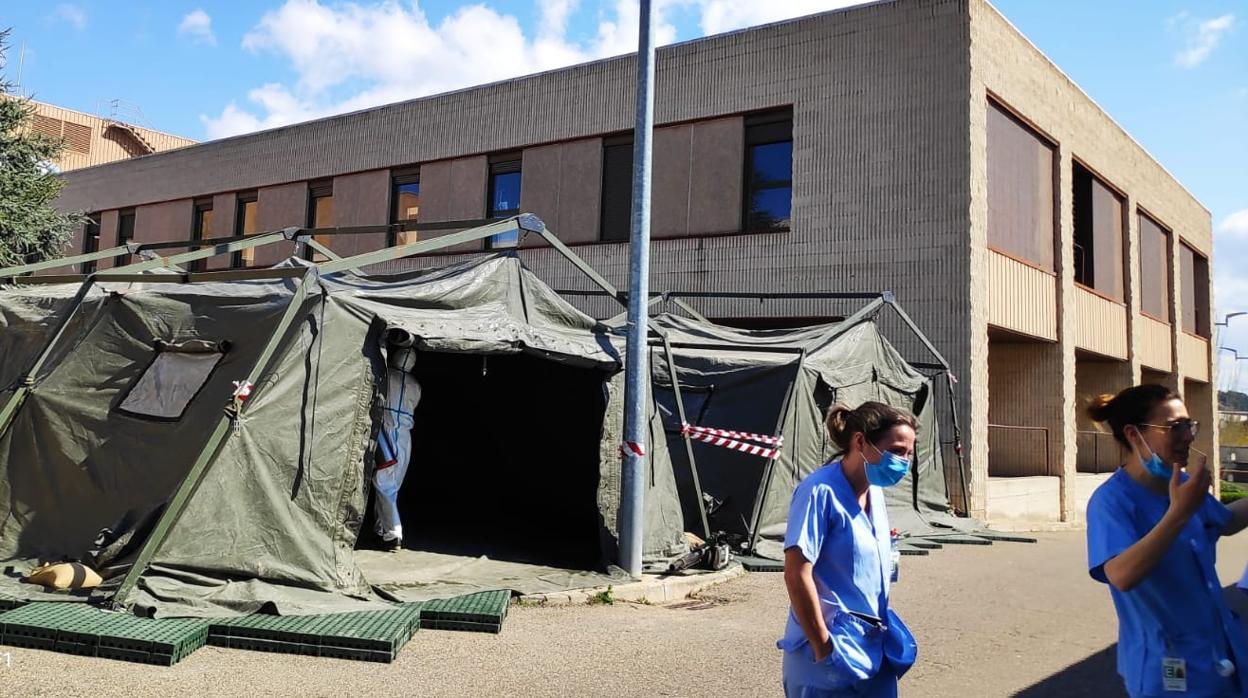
column 844, row 325
column 190, row 483
column 890, row 299
column 957, row 445
column 64, row 261
column 201, row 253
column 680, row 411
column 525, row 223
column 19, row 396
column 637, row 371
column 770, row 470
column 616, row 319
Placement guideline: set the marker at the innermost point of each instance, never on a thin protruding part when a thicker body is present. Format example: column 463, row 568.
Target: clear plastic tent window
column 169, row 384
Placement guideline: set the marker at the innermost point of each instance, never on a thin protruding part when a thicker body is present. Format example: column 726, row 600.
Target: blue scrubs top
column 848, row 549
column 1177, row 610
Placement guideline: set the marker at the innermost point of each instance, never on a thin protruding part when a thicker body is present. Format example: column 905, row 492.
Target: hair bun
column 1101, row 407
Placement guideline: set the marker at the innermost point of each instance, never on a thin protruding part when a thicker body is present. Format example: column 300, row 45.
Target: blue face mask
column 888, row 471
column 1154, row 465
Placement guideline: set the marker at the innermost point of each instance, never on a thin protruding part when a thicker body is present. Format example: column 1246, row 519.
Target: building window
column 125, row 235
column 1098, row 234
column 504, row 196
column 405, row 205
column 769, row 171
column 617, row 189
column 245, row 224
column 1154, row 269
column 201, row 229
column 1194, row 269
column 1021, row 218
column 320, row 214
column 90, row 241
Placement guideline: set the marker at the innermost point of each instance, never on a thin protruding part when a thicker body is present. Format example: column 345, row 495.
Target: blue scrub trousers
column 803, row 678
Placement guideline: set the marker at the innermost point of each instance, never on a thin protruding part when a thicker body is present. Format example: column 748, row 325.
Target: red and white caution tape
column 242, row 390
column 632, row 448
column 747, row 436
column 715, row 438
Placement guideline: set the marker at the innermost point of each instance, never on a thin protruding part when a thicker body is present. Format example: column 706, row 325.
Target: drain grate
column 759, row 564
column 375, row 636
column 76, row 628
column 692, row 605
column 481, row 612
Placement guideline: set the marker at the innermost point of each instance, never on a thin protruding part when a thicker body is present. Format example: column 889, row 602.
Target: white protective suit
column 402, row 396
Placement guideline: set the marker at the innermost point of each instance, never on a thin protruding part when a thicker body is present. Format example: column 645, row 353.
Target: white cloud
column 1235, row 225
column 72, row 15
column 198, row 27
column 354, row 55
column 1202, row 38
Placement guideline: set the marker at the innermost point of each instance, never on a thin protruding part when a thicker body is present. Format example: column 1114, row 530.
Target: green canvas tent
column 781, row 383
column 122, row 441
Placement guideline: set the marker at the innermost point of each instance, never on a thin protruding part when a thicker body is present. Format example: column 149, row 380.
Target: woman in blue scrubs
column 841, row 638
column 1152, row 537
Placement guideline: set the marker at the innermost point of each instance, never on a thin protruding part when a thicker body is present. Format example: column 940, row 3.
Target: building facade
column 93, row 140
column 921, row 146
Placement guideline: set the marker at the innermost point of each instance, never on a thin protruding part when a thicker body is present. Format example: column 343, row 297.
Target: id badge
column 1174, row 674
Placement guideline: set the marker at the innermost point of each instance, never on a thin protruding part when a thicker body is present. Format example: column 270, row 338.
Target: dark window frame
column 399, row 178
column 201, row 206
column 1168, row 264
column 1046, row 139
column 1085, row 263
column 125, row 234
column 759, row 129
column 90, row 240
column 501, row 164
column 240, row 213
column 1198, row 278
column 317, row 190
column 607, row 225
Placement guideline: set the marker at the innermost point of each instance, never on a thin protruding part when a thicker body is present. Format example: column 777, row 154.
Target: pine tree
column 31, row 230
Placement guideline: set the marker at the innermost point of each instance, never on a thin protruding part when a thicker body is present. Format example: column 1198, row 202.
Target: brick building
column 923, row 146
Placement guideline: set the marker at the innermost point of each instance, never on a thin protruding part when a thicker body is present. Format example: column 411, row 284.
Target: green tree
column 31, row 230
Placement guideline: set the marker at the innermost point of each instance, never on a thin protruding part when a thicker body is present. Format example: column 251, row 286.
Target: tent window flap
column 173, row 378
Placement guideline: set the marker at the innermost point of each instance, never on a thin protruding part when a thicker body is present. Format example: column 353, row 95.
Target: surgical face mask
column 1153, row 464
column 890, row 469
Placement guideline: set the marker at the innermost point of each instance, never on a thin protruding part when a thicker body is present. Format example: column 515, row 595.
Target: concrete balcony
column 1100, row 324
column 1194, row 357
column 1155, row 349
column 1021, row 298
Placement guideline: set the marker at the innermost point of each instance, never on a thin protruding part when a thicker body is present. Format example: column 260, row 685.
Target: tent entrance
column 505, row 462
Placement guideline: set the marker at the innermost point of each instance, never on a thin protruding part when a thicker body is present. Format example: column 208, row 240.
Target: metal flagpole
column 636, row 363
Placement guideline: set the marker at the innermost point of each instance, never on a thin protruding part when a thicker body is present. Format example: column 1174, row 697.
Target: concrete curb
column 652, row 588
column 1037, row 526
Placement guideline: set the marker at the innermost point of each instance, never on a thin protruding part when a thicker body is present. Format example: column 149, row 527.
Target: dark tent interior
column 505, row 461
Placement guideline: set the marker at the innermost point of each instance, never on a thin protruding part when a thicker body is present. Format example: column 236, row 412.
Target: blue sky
column 1173, row 73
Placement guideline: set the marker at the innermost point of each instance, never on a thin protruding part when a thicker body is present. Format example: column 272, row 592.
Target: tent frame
column 161, row 269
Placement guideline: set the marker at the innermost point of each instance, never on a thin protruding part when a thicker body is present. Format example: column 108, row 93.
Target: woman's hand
column 1188, row 497
column 822, row 650
column 1131, row 566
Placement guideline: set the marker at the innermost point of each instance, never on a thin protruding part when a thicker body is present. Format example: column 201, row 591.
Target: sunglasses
column 1179, row 427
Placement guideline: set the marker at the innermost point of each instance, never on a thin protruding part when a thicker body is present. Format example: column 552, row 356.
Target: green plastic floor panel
column 481, row 612
column 463, row 626
column 76, row 628
column 363, row 635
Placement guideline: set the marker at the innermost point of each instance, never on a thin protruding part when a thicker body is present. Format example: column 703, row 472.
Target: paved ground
column 1006, row 620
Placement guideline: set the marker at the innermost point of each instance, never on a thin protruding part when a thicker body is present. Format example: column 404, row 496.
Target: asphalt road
column 1004, row 620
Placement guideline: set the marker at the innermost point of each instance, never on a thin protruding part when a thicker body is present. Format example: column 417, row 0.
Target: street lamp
column 1226, row 320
